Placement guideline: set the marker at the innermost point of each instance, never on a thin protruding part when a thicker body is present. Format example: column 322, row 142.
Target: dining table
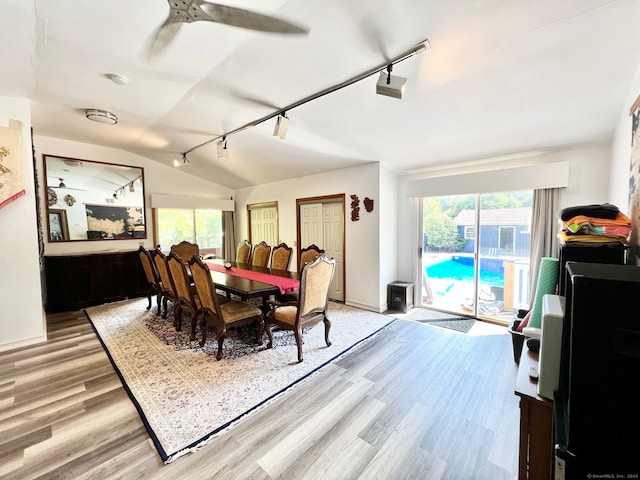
column 250, row 281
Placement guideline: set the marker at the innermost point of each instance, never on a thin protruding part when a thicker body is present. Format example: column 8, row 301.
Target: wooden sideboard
column 74, row 282
column 536, row 424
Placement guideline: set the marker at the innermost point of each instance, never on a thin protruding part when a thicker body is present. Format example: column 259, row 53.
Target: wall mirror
column 88, row 200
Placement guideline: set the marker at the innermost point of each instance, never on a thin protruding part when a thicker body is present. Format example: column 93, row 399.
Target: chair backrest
column 261, row 253
column 205, row 288
column 308, row 255
column 148, row 266
column 185, row 250
column 180, row 278
column 315, row 284
column 163, row 271
column 281, row 257
column 243, row 252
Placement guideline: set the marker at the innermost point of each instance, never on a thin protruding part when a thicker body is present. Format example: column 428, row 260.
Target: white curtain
column 544, row 230
column 228, row 236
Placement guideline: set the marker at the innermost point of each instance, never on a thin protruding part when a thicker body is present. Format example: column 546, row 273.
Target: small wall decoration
column 11, row 163
column 355, row 208
column 69, row 200
column 368, row 204
column 52, row 197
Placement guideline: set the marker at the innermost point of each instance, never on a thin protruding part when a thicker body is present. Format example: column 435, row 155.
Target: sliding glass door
column 475, row 254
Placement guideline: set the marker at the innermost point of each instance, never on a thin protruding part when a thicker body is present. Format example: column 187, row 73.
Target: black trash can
column 400, row 296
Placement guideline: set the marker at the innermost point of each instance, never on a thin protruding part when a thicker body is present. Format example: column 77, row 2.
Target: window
column 203, row 227
column 470, row 232
column 471, row 268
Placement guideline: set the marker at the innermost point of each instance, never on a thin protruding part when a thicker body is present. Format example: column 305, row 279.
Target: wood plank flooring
column 416, row 402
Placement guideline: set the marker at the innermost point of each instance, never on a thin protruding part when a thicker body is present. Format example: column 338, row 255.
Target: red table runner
column 284, row 284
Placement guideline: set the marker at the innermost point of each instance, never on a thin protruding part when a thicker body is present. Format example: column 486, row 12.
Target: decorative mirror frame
column 88, row 200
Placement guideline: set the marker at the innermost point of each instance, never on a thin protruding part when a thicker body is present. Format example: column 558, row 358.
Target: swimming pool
column 455, row 270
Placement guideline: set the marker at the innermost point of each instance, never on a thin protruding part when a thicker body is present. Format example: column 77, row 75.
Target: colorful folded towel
column 581, row 224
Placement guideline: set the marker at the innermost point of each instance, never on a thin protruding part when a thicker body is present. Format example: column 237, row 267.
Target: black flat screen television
column 597, row 419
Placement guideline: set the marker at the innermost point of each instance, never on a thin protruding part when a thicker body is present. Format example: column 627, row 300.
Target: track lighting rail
column 387, row 65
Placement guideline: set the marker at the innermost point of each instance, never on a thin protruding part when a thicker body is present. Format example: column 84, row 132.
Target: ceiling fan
column 189, row 11
column 61, row 184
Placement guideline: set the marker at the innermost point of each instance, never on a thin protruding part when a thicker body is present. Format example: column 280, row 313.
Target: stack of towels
column 600, row 224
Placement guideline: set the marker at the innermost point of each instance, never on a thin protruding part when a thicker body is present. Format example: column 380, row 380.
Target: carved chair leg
column 158, row 298
column 221, row 334
column 194, row 324
column 267, row 327
column 177, row 311
column 260, row 331
column 327, row 327
column 149, row 298
column 298, row 334
column 164, row 302
column 203, row 329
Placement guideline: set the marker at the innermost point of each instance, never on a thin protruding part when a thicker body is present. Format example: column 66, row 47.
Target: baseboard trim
column 5, row 347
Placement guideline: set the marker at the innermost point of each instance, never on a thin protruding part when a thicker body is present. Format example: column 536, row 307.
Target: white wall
column 22, row 319
column 588, row 183
column 158, row 179
column 387, row 206
column 362, row 251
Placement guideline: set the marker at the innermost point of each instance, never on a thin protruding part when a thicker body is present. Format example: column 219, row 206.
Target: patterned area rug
column 439, row 319
column 184, row 395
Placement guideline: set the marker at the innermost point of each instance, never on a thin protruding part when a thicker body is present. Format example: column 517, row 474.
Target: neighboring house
column 503, row 232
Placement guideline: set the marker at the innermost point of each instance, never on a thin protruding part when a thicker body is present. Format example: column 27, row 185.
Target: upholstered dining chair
column 308, row 255
column 186, row 298
column 311, row 307
column 243, row 252
column 168, row 293
column 260, row 255
column 185, row 250
column 220, row 316
column 155, row 285
column 281, row 257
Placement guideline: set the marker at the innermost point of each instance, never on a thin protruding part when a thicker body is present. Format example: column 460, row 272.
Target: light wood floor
column 417, row 402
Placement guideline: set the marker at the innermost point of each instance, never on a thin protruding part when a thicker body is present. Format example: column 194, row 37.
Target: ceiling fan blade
column 241, row 18
column 161, row 38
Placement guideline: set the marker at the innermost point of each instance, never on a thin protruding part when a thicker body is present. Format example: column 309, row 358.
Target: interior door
column 333, row 238
column 264, row 225
column 322, row 223
column 311, row 224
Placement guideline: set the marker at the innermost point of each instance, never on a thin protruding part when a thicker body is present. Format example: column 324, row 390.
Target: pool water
column 450, row 269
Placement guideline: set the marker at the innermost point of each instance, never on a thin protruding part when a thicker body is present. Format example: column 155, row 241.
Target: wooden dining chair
column 311, row 307
column 168, row 293
column 220, row 316
column 155, row 285
column 186, row 298
column 281, row 257
column 260, row 255
column 243, row 252
column 308, row 255
column 185, row 250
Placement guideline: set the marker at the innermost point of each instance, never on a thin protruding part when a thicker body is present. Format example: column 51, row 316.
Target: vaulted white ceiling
column 502, row 77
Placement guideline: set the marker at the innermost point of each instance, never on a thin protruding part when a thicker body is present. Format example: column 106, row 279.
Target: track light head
column 183, row 162
column 390, row 85
column 282, row 125
column 221, row 147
